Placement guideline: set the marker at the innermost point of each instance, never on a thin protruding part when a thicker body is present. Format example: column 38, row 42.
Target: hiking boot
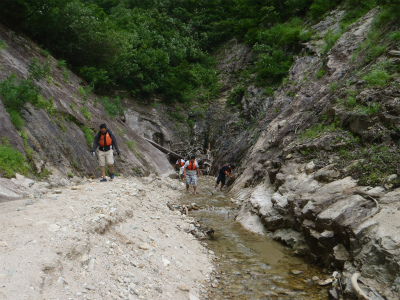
column 103, row 180
column 112, row 176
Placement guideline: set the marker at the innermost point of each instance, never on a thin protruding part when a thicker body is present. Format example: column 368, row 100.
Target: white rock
column 54, row 227
column 193, row 297
column 166, row 262
column 91, row 264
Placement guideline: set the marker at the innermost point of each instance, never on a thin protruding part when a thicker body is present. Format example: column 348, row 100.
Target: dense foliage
column 163, row 47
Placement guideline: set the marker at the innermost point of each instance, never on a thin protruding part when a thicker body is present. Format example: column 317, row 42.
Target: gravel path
column 114, row 240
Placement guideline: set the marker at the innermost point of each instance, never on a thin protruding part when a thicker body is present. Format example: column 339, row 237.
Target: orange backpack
column 192, row 166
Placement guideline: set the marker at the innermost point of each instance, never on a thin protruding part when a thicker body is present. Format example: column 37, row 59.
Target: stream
column 250, row 266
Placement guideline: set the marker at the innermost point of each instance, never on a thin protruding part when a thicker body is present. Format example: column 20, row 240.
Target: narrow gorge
column 316, row 154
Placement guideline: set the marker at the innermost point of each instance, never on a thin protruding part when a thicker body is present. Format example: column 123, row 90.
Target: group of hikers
column 105, row 142
column 190, row 171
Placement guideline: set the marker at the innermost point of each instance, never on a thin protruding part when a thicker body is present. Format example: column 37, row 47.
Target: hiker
column 225, row 170
column 193, row 172
column 106, row 141
column 180, row 163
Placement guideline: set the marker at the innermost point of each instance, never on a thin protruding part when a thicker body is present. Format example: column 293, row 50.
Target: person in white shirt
column 193, row 172
column 180, row 163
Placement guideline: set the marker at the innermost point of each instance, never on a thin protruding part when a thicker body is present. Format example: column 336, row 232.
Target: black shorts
column 221, row 178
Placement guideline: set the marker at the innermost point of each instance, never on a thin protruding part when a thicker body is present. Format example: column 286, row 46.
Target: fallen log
column 165, row 150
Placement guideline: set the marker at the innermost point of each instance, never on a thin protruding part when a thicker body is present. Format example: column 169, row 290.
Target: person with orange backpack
column 106, row 141
column 193, row 172
column 180, row 163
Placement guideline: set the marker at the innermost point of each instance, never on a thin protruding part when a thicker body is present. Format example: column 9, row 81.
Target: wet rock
column 325, row 282
column 288, row 236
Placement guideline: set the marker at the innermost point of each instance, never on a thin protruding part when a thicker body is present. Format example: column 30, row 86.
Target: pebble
column 184, row 287
column 57, row 191
column 144, row 246
column 29, row 202
column 296, row 272
column 20, row 208
column 90, row 287
column 159, row 289
column 315, row 278
column 3, row 244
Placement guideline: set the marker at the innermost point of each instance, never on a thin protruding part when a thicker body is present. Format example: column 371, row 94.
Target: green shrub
column 377, row 77
column 273, row 66
column 176, row 115
column 88, row 135
column 320, row 73
column 16, row 119
column 355, row 9
column 320, row 7
column 45, row 53
column 333, row 87
column 113, row 107
column 374, row 51
column 3, row 45
column 395, row 36
column 38, row 70
column 235, row 97
column 11, row 161
column 85, row 113
column 370, row 109
column 61, row 64
column 132, row 145
column 350, row 102
column 16, row 95
column 330, row 39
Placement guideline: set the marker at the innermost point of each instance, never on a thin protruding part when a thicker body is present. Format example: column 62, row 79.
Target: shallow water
column 250, row 266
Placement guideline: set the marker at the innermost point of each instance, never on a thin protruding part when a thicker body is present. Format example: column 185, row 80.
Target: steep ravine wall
column 55, row 138
column 312, row 205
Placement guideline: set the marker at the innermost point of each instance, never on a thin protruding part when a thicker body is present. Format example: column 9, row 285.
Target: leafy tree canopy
column 163, row 47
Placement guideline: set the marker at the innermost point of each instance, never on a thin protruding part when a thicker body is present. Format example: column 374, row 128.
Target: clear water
column 250, row 266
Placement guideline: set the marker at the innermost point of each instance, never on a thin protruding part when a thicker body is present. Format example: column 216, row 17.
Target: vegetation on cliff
column 163, row 47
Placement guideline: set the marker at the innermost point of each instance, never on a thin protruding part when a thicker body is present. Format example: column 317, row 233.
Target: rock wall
column 314, row 206
column 56, row 137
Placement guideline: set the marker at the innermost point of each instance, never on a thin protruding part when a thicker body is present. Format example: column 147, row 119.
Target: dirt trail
column 114, row 240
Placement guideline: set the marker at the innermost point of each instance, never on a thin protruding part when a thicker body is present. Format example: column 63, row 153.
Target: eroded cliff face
column 298, row 187
column 55, row 137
